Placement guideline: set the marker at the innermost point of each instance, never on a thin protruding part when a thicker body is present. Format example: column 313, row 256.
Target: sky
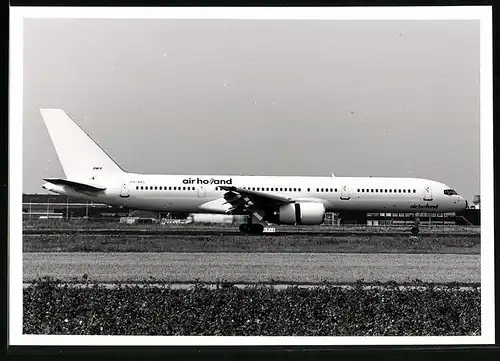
column 262, row 97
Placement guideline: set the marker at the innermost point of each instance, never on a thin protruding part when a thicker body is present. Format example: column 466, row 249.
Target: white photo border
column 15, row 258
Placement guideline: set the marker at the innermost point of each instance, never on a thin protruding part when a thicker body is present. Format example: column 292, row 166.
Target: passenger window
column 404, row 190
column 326, row 189
column 409, row 190
column 414, row 191
column 317, row 189
column 136, row 187
column 335, row 189
column 399, row 190
column 308, row 189
column 169, row 188
column 300, row 190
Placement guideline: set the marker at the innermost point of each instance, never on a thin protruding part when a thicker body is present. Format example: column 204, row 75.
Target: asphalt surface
column 338, row 232
column 253, row 267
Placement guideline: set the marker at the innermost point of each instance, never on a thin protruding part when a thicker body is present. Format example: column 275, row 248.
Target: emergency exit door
column 344, row 193
column 201, row 192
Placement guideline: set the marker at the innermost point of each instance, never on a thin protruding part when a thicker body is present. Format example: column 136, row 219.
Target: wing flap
column 242, row 199
column 76, row 185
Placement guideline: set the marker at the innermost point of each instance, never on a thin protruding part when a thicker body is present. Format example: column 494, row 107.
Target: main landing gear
column 252, row 228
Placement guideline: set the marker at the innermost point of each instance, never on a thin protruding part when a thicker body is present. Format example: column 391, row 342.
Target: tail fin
column 80, row 157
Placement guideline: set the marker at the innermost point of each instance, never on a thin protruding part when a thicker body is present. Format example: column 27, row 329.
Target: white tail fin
column 81, row 157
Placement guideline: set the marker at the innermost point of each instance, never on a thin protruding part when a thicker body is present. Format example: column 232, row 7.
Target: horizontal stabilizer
column 76, row 185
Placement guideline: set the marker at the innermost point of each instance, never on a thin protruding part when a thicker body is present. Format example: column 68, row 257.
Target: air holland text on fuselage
column 207, row 181
column 92, row 175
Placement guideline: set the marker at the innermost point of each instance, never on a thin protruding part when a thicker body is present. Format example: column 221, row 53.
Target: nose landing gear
column 415, row 229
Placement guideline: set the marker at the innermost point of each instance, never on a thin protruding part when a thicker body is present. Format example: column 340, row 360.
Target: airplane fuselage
column 198, row 194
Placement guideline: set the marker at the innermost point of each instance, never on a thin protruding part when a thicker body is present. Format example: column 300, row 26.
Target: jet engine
column 300, row 213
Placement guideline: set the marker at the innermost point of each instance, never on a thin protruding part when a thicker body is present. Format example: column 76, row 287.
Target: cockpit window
column 450, row 192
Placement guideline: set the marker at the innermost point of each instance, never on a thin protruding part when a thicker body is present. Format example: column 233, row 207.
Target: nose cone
column 462, row 203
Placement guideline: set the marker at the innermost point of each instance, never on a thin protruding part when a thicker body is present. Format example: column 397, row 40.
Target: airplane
column 91, row 174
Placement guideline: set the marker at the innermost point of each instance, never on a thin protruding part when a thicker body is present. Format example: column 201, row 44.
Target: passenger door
column 201, row 192
column 428, row 193
column 124, row 193
column 344, row 193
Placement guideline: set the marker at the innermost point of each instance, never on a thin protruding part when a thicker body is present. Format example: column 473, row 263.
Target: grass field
column 51, row 308
column 227, row 243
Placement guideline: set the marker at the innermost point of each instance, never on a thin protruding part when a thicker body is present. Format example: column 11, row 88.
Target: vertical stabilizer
column 81, row 158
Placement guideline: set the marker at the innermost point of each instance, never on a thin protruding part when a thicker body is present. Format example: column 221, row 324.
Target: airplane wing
column 79, row 186
column 244, row 200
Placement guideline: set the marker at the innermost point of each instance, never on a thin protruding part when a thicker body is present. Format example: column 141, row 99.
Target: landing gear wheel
column 251, row 228
column 257, row 228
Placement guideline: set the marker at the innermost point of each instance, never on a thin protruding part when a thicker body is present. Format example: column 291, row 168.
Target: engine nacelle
column 301, row 213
